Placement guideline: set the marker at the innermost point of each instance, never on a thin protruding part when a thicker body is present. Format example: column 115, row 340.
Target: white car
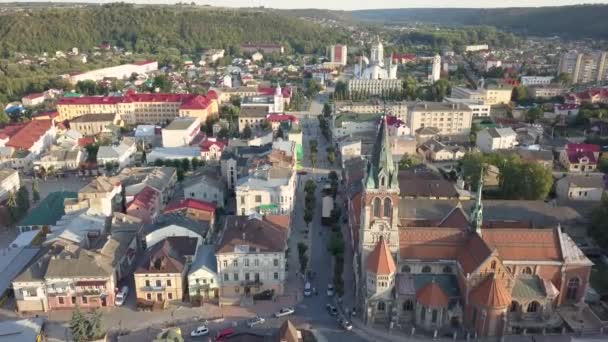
column 121, row 296
column 307, row 289
column 330, row 290
column 200, row 331
column 284, row 312
column 255, row 321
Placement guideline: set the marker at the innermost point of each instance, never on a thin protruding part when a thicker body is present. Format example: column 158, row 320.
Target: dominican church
column 488, row 268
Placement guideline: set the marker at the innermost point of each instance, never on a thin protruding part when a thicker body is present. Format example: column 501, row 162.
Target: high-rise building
column 584, row 67
column 337, row 54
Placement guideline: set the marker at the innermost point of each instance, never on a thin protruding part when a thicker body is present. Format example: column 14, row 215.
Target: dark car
column 331, row 310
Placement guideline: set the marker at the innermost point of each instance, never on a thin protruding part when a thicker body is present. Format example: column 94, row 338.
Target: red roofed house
column 276, row 120
column 403, row 58
column 145, row 205
column 580, row 157
column 211, row 149
column 447, row 266
column 194, row 209
column 29, row 139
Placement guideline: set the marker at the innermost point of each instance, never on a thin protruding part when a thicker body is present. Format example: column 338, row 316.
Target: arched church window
column 408, row 305
column 382, row 181
column 572, row 291
column 527, row 270
column 381, row 306
column 533, row 306
column 376, row 207
column 388, row 207
column 447, row 269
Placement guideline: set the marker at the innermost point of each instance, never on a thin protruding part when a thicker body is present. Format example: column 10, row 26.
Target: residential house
column 567, row 109
column 206, row 187
column 581, row 187
column 349, row 149
column 203, row 279
column 491, row 139
column 435, row 150
column 34, row 136
column 59, row 159
column 541, row 157
column 580, row 157
column 33, row 100
column 94, row 124
column 9, row 182
column 194, row 209
column 123, row 243
column 101, row 195
column 120, row 154
column 251, row 256
column 211, row 149
column 268, row 189
column 252, row 117
column 163, row 179
column 145, row 205
column 175, row 224
column 161, row 275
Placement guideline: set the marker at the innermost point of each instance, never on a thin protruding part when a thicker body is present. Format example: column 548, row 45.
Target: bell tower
column 380, row 207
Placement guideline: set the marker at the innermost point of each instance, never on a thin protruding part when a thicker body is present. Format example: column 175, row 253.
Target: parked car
column 345, row 324
column 255, row 321
column 121, row 296
column 200, row 331
column 331, row 309
column 264, row 295
column 302, row 173
column 222, row 335
column 284, row 312
column 330, row 290
column 307, row 289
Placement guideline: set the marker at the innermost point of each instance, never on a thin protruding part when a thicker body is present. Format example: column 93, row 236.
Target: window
column 533, row 307
column 514, row 306
column 169, row 295
column 275, row 262
column 381, row 306
column 225, row 263
column 447, row 269
column 211, row 281
column 434, row 316
column 169, row 282
column 474, row 317
column 149, row 296
column 242, row 199
column 73, row 300
column 388, row 207
column 159, row 283
column 159, row 297
column 147, row 283
column 236, row 276
column 235, row 263
column 426, row 269
column 406, row 269
column 423, row 314
column 256, row 262
column 226, row 277
column 246, row 262
column 572, row 290
column 493, row 265
column 527, row 270
column 408, row 305
column 247, row 276
column 383, row 181
column 85, row 300
column 258, row 198
column 276, row 275
column 376, row 207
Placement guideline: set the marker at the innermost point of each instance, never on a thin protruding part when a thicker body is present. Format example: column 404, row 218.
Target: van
column 307, row 289
column 223, row 334
column 121, row 296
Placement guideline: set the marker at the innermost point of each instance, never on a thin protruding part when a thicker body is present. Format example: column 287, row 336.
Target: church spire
column 476, row 218
column 381, row 169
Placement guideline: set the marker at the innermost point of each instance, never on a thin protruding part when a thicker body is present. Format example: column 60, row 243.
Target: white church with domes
column 376, row 68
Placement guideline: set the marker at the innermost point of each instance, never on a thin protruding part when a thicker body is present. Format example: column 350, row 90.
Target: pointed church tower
column 476, row 218
column 380, row 207
column 279, row 102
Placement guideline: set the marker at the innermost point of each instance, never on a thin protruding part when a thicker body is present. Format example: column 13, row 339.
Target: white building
column 267, row 190
column 203, row 279
column 436, row 68
column 581, row 187
column 205, row 188
column 9, row 182
column 475, row 48
column 447, row 118
column 338, row 54
column 376, row 70
column 492, row 63
column 172, row 153
column 257, row 56
column 349, row 149
column 212, row 55
column 59, row 159
column 492, row 139
column 33, row 100
column 181, row 132
column 536, row 80
column 373, row 86
column 120, row 153
column 478, row 107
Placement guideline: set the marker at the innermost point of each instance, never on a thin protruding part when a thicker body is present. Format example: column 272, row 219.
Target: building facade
column 584, row 67
column 338, row 54
column 492, row 139
column 448, row 118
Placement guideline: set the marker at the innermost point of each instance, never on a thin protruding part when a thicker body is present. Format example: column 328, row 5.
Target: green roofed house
column 47, row 213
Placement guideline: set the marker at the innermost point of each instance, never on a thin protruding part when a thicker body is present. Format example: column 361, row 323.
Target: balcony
column 153, row 288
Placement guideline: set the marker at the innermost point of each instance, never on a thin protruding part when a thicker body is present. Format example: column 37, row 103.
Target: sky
column 357, row 4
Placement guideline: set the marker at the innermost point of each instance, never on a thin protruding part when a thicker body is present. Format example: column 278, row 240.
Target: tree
column 159, row 162
column 195, row 163
column 265, row 125
column 4, row 119
column 247, row 133
column 533, row 114
column 223, row 133
column 409, row 160
column 185, row 164
column 326, row 109
column 35, row 191
column 598, row 227
column 163, row 83
column 520, row 94
column 312, row 88
column 235, row 100
column 79, row 326
column 23, row 200
column 440, row 89
column 180, row 175
column 331, row 154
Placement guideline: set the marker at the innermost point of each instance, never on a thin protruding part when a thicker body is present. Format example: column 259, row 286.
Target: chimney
column 244, row 235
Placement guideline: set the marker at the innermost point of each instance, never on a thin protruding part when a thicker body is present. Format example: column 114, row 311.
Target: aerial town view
column 304, row 171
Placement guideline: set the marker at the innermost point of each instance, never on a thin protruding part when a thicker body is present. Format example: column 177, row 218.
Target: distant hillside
column 152, row 28
column 584, row 21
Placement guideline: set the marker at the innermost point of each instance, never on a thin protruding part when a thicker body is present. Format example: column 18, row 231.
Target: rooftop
column 49, row 210
column 181, row 123
column 261, row 234
column 94, row 117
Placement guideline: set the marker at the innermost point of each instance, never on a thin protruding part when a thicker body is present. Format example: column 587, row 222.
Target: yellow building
column 161, row 275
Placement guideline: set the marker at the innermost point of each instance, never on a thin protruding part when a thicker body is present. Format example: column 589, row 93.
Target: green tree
column 159, row 162
column 331, row 154
column 326, row 109
column 520, row 94
column 180, row 175
column 79, row 326
column 265, row 125
column 4, row 119
column 247, row 133
column 409, row 160
column 163, row 83
column 533, row 114
column 440, row 89
column 598, row 227
column 312, row 88
column 185, row 164
column 35, row 190
column 23, row 200
column 235, row 100
column 195, row 163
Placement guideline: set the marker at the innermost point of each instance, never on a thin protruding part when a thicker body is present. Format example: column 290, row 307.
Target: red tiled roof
column 190, row 203
column 212, row 94
column 355, row 217
column 188, row 100
column 206, row 144
column 279, row 220
column 380, row 260
column 87, row 100
column 281, row 117
column 285, row 91
column 473, row 254
column 406, row 56
column 82, row 142
column 145, row 197
column 491, row 293
column 576, row 152
column 197, row 102
column 28, row 134
column 524, row 244
column 432, row 295
column 431, row 243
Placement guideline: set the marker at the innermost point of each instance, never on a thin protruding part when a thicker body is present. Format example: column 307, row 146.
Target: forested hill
column 151, row 28
column 584, row 21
